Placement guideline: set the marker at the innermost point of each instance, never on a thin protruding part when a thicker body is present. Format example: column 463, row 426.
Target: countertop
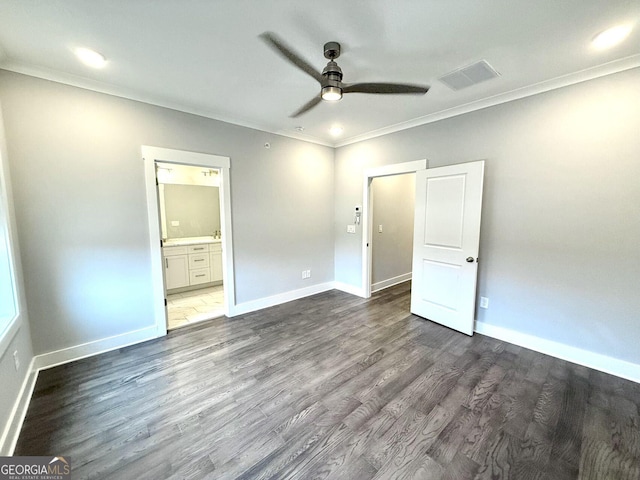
column 174, row 242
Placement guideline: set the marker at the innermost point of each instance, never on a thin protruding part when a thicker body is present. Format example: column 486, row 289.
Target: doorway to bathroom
column 188, row 202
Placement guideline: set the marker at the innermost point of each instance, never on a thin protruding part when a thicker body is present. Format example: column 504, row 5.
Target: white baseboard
column 345, row 287
column 274, row 300
column 390, row 282
column 77, row 352
column 18, row 412
column 586, row 358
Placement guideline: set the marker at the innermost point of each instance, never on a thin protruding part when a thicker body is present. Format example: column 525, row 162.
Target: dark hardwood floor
column 334, row 386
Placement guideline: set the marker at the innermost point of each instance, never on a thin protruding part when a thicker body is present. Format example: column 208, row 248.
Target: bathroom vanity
column 192, row 262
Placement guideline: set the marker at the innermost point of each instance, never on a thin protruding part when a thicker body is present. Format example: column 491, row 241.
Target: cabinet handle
column 201, row 275
column 198, row 248
column 199, row 260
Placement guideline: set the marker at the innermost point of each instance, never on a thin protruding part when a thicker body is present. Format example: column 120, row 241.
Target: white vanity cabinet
column 199, row 264
column 176, row 267
column 215, row 260
column 189, row 264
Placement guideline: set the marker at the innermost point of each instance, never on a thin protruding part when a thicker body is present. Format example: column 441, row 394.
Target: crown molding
column 610, row 68
column 130, row 94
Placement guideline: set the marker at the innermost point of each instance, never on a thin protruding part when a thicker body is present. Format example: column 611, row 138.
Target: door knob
column 470, row 259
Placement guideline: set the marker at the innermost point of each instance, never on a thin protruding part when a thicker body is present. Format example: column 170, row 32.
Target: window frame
column 10, row 325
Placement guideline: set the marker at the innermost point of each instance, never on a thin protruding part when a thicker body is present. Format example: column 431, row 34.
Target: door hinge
column 165, row 302
column 161, row 243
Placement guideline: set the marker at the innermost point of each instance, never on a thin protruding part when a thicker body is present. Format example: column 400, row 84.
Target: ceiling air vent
column 470, row 75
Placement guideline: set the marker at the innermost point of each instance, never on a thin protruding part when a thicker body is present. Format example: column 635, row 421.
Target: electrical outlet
column 175, row 223
column 304, row 274
column 308, row 273
column 351, row 229
column 484, row 302
column 16, row 360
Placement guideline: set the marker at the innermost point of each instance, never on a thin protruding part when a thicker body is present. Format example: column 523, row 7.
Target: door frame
column 367, row 211
column 151, row 155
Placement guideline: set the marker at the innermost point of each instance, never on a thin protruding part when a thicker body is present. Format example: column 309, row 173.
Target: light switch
column 351, row 229
column 175, row 223
column 379, row 228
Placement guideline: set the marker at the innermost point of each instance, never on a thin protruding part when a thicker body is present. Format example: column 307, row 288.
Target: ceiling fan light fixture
column 331, row 93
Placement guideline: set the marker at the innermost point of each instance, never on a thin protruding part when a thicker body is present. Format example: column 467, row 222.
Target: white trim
column 390, row 282
column 396, row 169
column 280, row 298
column 151, row 155
column 598, row 71
column 610, row 68
column 586, row 358
column 367, row 213
column 89, row 349
column 153, row 219
column 18, row 412
column 139, row 96
column 345, row 287
column 350, row 289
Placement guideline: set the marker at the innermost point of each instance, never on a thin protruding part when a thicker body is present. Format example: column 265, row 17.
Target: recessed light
column 90, row 57
column 336, row 130
column 611, row 37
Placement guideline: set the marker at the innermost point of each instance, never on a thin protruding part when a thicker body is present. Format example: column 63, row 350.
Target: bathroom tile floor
column 195, row 306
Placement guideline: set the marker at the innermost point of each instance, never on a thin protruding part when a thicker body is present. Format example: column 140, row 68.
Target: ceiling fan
column 330, row 79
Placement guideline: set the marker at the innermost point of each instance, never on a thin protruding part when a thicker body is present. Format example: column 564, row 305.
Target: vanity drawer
column 200, row 248
column 200, row 260
column 199, row 275
column 171, row 251
column 215, row 247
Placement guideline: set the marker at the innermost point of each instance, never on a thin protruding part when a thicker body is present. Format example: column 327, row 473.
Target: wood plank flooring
column 338, row 387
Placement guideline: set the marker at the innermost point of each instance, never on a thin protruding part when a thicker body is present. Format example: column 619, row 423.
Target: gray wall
column 559, row 256
column 196, row 207
column 393, row 206
column 18, row 338
column 81, row 213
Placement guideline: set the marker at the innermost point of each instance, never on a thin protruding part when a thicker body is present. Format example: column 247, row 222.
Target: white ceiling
column 205, row 57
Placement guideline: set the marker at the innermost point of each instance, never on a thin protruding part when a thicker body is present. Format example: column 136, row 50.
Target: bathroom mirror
column 189, row 201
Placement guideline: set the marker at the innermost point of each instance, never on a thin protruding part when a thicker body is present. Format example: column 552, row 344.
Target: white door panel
column 446, row 242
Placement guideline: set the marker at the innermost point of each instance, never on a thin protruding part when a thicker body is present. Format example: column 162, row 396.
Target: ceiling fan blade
column 307, row 106
column 286, row 51
column 384, row 88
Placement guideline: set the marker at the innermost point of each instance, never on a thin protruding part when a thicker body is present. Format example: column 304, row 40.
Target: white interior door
column 445, row 244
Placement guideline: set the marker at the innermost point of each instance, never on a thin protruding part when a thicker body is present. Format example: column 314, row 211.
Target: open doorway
column 368, row 226
column 189, row 200
column 392, row 212
column 448, row 206
column 191, row 250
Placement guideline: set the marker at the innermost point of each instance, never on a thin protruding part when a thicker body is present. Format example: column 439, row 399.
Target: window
column 8, row 309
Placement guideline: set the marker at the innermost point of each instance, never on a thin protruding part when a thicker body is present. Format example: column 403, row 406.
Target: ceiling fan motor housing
column 332, row 74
